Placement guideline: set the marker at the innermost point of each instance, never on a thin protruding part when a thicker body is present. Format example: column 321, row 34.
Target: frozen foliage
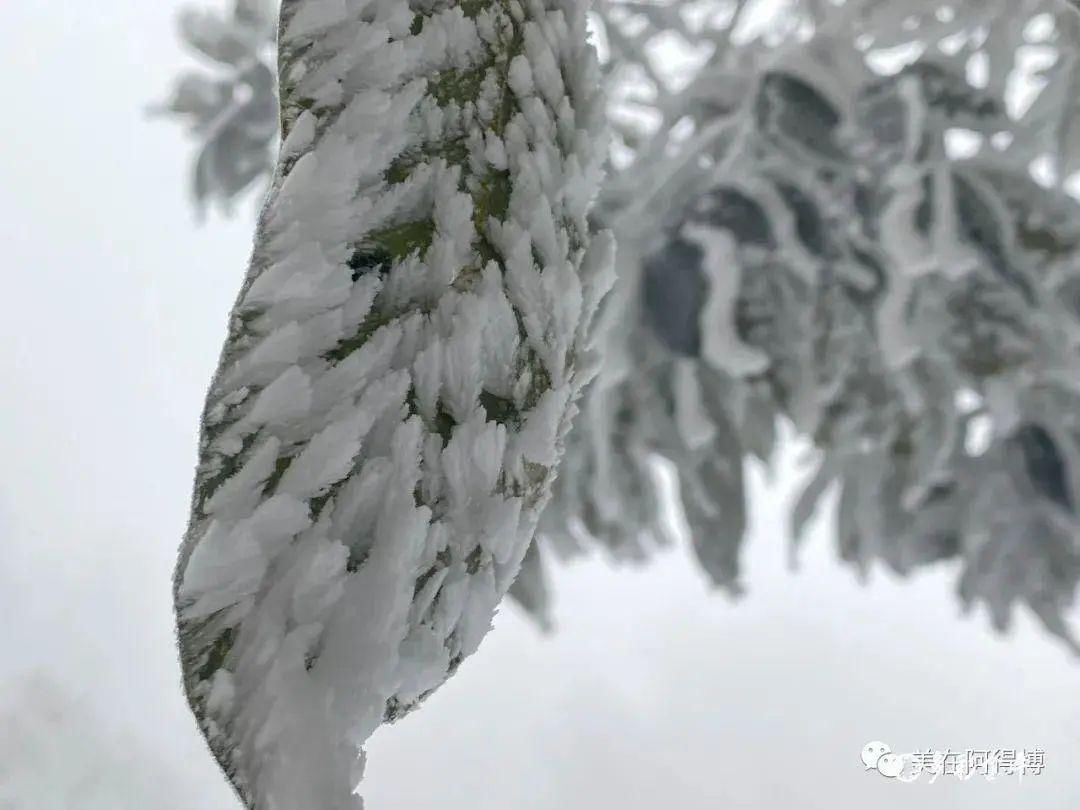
column 400, row 372
column 858, row 217
column 232, row 112
column 869, row 233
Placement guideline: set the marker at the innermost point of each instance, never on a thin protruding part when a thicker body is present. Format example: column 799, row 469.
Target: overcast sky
column 652, row 693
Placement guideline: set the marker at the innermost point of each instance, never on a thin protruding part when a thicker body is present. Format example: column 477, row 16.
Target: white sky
column 652, row 694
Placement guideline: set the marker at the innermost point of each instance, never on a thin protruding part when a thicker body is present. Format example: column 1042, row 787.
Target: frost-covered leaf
column 400, row 372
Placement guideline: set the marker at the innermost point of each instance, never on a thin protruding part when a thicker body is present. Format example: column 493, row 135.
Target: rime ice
column 398, row 378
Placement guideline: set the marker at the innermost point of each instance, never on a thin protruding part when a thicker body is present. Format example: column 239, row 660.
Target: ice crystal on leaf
column 400, row 372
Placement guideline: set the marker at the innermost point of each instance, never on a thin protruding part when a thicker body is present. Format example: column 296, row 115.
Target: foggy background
column 651, row 692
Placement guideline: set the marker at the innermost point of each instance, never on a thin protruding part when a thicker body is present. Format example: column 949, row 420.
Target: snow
column 721, row 345
column 238, row 496
column 362, row 545
column 912, row 269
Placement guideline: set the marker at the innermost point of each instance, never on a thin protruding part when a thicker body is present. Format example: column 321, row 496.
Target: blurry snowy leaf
column 984, row 222
column 797, row 112
column 259, row 15
column 214, row 36
column 807, row 502
column 1044, row 465
column 197, row 96
column 1018, row 554
column 672, row 288
column 713, row 494
column 810, row 225
column 734, row 210
column 530, row 587
column 234, row 112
